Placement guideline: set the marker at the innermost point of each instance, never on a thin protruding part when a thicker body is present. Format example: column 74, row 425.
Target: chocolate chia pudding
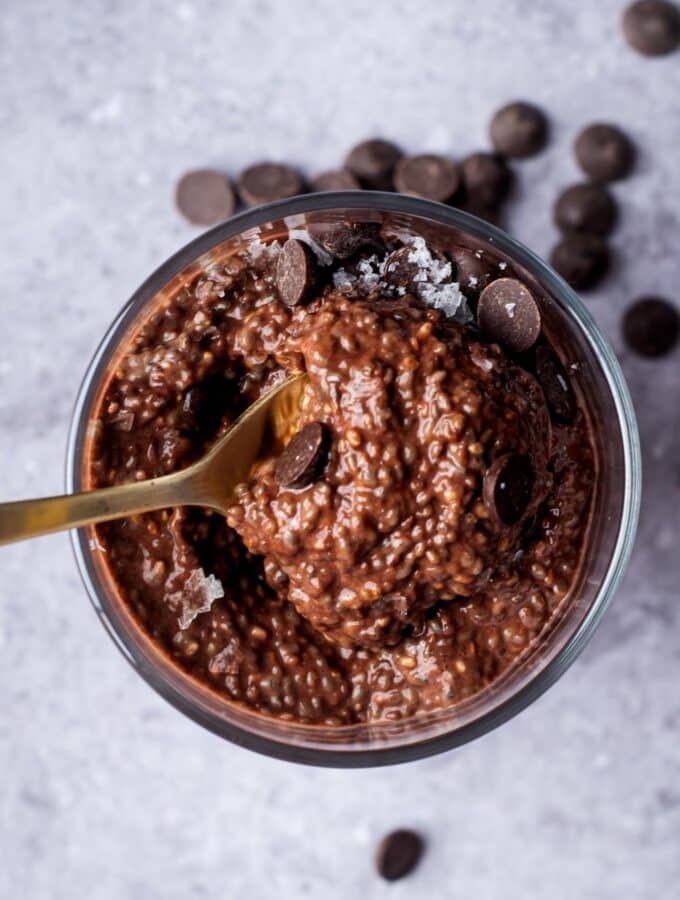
column 423, row 529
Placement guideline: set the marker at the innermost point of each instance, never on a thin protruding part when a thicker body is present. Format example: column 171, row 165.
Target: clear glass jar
column 602, row 389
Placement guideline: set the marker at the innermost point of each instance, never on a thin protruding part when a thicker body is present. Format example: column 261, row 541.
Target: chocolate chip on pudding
column 296, row 272
column 508, row 313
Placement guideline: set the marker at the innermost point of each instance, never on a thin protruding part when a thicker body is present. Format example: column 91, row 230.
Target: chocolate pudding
column 423, row 528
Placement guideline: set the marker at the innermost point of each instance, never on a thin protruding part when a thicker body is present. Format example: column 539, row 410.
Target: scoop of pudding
column 421, row 453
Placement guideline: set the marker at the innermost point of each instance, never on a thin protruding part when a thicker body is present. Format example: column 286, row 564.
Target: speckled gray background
column 106, row 791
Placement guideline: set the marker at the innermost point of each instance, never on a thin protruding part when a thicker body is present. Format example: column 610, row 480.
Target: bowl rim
column 391, row 203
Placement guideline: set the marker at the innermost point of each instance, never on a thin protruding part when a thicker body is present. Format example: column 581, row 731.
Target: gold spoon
column 209, row 482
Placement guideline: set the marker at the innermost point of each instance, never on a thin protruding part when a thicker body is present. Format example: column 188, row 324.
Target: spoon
column 209, row 482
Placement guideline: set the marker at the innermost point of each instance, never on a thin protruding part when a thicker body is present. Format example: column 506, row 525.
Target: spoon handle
column 208, row 482
column 31, row 518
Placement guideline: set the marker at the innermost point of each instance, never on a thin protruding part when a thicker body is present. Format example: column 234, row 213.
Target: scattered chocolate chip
column 604, row 152
column 507, row 313
column 266, row 182
column 586, row 207
column 652, row 27
column 344, row 239
column 303, row 458
column 519, row 129
column 296, row 272
column 554, row 380
column 398, row 854
column 336, row 180
column 651, row 326
column 427, row 175
column 373, row 163
column 486, row 180
column 508, row 486
column 581, row 259
column 473, row 272
column 205, row 197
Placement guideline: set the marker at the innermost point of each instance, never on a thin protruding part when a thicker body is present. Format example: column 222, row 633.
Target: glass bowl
column 602, row 389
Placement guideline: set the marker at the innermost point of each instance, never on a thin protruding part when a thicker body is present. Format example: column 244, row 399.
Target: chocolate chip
column 303, row 458
column 266, row 182
column 652, row 27
column 651, row 326
column 604, row 152
column 507, row 313
column 296, row 272
column 581, row 259
column 430, row 176
column 473, row 272
column 399, row 853
column 508, row 486
column 586, row 207
column 373, row 163
column 344, row 239
column 205, row 197
column 519, row 129
column 398, row 269
column 553, row 378
column 336, row 180
column 486, row 179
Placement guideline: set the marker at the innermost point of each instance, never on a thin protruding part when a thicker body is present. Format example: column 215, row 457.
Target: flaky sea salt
column 368, row 275
column 343, row 278
column 432, row 280
column 431, row 268
column 198, row 595
column 510, row 309
column 258, row 249
column 448, row 298
column 370, row 271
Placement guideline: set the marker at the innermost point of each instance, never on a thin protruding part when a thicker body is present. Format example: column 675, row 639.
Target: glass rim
column 360, row 756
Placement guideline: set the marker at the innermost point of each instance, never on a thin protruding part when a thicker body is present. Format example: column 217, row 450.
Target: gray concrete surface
column 106, row 791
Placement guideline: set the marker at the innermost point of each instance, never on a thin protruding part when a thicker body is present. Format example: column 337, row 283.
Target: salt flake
column 257, row 249
column 198, row 595
column 431, row 281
